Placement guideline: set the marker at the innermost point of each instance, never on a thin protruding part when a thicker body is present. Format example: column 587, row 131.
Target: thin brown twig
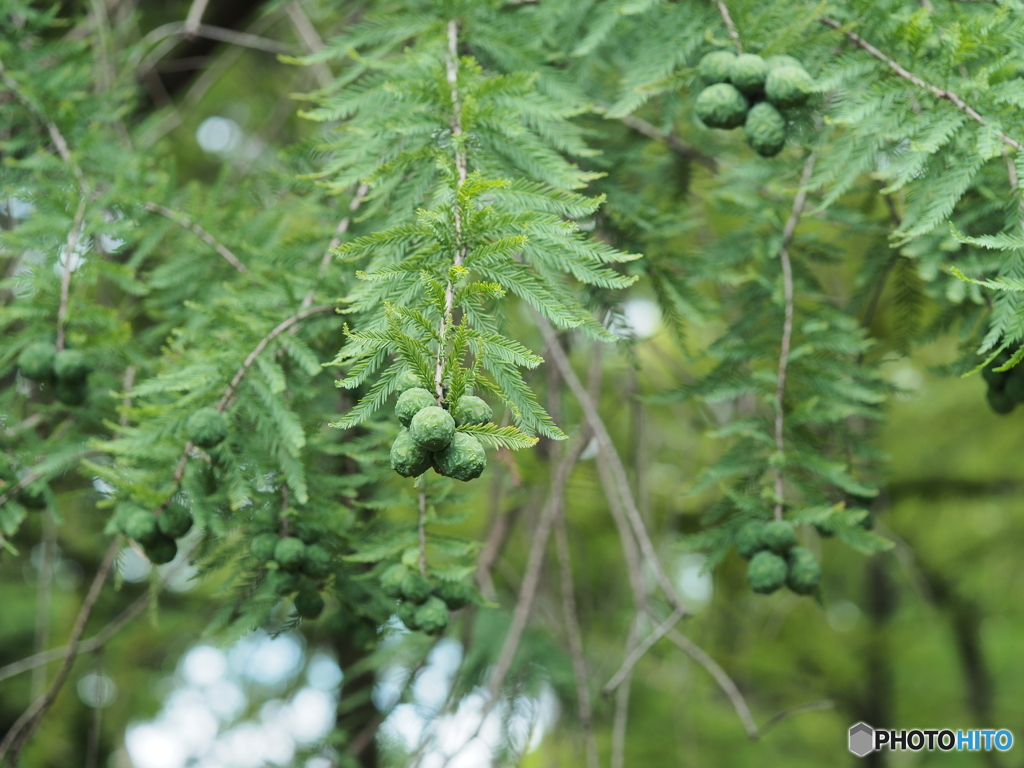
column 906, row 74
column 672, row 141
column 311, row 39
column 281, row 327
column 534, row 564
column 725, row 682
column 724, row 11
column 640, row 649
column 621, row 717
column 787, row 325
column 340, row 230
column 572, row 625
column 203, row 83
column 25, row 725
column 183, row 221
column 811, row 706
column 618, row 471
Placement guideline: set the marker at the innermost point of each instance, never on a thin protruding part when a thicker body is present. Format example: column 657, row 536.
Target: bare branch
column 340, row 230
column 25, row 725
column 201, row 233
column 787, row 324
column 673, row 142
column 311, row 39
column 195, row 16
column 811, row 706
column 534, row 562
column 724, row 11
column 937, row 92
column 621, row 719
column 725, row 682
column 607, row 447
column 572, row 625
column 281, row 328
column 638, row 652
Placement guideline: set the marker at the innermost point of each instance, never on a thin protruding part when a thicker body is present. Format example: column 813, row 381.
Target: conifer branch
column 69, row 259
column 787, row 324
column 906, row 74
column 455, row 123
column 724, row 11
column 283, row 326
column 201, row 233
column 23, row 728
column 340, row 230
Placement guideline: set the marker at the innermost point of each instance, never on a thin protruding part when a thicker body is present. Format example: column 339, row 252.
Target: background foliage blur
column 925, row 635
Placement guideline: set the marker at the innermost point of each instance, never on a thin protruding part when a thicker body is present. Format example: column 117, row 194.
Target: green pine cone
column 464, row 458
column 140, row 524
column 748, row 73
column 160, row 550
column 779, row 536
column 750, row 539
column 70, row 365
column 432, row 428
column 721, row 106
column 455, row 594
column 391, row 580
column 766, row 572
column 71, row 392
column 407, row 613
column 290, row 553
column 407, row 458
column 309, row 604
column 997, row 379
column 471, row 410
column 407, row 380
column 411, row 402
column 33, row 495
column 318, row 562
column 788, row 86
column 207, row 427
column 432, row 616
column 36, row 361
column 175, row 521
column 999, row 401
column 765, row 129
column 415, row 587
column 715, row 67
column 804, row 571
column 774, row 62
column 262, row 546
column 1014, row 386
column 284, row 583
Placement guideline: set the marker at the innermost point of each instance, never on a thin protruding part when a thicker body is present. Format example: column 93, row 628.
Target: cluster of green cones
column 424, row 604
column 775, row 558
column 66, row 370
column 1005, row 388
column 750, row 91
column 295, row 567
column 431, row 438
column 155, row 531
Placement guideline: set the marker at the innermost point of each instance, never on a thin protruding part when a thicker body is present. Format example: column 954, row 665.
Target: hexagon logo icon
column 862, row 739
